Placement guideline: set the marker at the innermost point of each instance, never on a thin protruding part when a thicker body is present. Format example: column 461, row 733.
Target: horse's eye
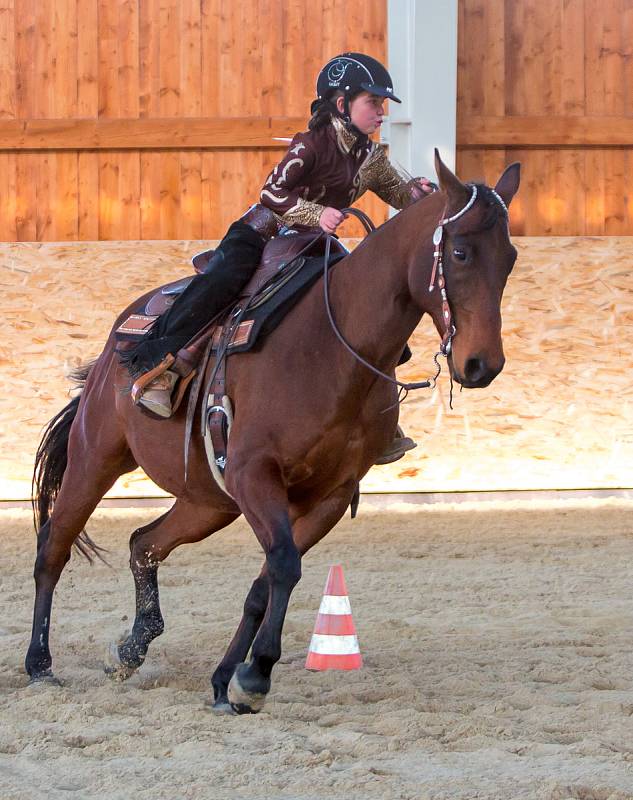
column 460, row 255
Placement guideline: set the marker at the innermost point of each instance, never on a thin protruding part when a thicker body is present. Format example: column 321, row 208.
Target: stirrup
column 157, row 394
column 140, row 383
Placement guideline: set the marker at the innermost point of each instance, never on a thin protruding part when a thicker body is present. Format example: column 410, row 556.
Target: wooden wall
column 550, row 83
column 154, row 119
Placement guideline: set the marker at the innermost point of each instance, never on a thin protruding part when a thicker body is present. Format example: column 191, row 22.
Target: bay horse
column 310, row 420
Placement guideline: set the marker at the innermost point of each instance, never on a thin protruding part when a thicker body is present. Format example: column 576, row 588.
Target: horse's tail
column 51, row 460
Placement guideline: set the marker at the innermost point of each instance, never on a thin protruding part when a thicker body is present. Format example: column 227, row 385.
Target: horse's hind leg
column 182, row 524
column 78, row 497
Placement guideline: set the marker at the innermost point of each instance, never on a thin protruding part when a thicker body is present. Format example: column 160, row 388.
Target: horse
column 310, row 419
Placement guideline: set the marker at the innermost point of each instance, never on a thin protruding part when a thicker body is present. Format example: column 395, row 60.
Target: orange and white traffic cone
column 334, row 643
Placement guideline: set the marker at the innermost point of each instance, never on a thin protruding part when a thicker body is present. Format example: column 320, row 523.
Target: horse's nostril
column 474, row 369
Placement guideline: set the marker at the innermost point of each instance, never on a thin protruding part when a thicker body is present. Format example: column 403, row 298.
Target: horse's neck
column 371, row 293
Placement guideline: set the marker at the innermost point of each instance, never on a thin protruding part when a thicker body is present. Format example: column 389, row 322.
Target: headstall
column 438, row 273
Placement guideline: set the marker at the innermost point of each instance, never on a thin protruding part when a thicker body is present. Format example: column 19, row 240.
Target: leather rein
column 437, row 275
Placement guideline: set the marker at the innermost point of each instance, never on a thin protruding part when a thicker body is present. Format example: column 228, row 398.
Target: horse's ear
column 450, row 183
column 508, row 184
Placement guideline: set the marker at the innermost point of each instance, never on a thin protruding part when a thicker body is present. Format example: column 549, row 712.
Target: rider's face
column 366, row 111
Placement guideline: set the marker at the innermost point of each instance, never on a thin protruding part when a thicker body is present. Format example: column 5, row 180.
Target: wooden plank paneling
column 87, row 197
column 233, row 133
column 169, row 195
column 169, row 64
column 539, row 131
column 8, row 197
column 64, row 200
column 559, row 100
column 157, row 117
column 7, row 59
column 87, row 61
column 64, row 80
column 190, row 195
column 481, row 68
column 144, row 134
column 149, row 57
column 128, row 57
column 25, row 36
column 119, row 195
column 534, row 79
column 191, row 59
column 150, row 195
column 26, row 196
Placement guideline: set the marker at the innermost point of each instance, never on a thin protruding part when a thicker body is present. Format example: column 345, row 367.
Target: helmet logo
column 336, row 71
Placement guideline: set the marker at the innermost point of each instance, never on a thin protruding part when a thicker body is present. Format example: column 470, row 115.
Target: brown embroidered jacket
column 330, row 167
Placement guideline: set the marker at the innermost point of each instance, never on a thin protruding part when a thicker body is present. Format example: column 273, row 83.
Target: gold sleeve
column 304, row 212
column 381, row 177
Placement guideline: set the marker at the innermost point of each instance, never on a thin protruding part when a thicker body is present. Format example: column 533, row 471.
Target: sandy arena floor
column 498, row 664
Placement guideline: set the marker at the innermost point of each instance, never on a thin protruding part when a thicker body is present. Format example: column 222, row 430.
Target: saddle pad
column 265, row 317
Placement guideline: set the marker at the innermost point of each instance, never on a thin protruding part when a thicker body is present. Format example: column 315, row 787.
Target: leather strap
column 216, row 418
column 181, row 388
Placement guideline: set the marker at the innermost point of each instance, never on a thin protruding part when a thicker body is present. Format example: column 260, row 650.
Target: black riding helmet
column 352, row 73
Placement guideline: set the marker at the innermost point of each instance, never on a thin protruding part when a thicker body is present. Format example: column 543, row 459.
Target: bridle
column 437, row 273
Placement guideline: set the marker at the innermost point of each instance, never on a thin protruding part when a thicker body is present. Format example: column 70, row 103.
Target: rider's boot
column 156, row 396
column 400, row 445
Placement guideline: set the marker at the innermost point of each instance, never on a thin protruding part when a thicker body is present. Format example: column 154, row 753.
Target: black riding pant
column 228, row 271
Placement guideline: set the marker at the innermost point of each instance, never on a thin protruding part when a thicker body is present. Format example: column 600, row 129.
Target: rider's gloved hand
column 330, row 219
column 420, row 187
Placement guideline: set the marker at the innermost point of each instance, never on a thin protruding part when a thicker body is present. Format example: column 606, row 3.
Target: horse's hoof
column 221, row 706
column 45, row 678
column 113, row 667
column 243, row 698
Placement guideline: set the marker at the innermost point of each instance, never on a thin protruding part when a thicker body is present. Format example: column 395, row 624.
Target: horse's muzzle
column 478, row 373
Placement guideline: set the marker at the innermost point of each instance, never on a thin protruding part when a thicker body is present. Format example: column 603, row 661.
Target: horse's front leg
column 308, row 529
column 254, row 609
column 264, row 501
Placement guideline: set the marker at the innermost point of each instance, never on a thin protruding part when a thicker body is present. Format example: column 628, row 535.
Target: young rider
column 327, row 168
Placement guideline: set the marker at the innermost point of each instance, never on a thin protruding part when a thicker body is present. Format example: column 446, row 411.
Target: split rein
column 437, row 274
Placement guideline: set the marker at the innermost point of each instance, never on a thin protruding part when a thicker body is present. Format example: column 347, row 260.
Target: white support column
column 422, row 51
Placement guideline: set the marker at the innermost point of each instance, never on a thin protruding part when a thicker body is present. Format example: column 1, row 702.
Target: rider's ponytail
column 322, row 111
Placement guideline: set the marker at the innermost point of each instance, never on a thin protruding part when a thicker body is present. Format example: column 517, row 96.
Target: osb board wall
column 550, row 84
column 142, row 119
column 559, row 416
